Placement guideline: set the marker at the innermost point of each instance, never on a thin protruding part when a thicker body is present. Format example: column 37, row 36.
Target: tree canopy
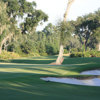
column 23, row 38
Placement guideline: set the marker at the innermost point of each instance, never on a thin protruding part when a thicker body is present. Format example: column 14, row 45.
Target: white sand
column 91, row 72
column 88, row 82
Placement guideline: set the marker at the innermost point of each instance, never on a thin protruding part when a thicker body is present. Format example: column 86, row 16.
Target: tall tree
column 5, row 28
column 97, row 37
column 85, row 27
column 10, row 11
column 61, row 51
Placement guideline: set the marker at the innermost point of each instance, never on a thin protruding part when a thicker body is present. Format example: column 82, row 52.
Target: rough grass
column 20, row 79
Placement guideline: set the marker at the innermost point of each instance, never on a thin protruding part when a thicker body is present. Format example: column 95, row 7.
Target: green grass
column 20, row 79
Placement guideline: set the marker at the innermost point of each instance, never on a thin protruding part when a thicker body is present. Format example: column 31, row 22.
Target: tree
column 6, row 30
column 73, row 43
column 10, row 11
column 63, row 29
column 32, row 21
column 97, row 37
column 85, row 28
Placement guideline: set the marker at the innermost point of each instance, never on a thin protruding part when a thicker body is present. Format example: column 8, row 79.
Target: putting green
column 20, row 79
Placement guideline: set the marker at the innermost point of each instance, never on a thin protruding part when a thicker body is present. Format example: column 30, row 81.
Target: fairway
column 20, row 79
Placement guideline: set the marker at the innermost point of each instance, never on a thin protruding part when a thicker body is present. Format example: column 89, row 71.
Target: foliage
column 92, row 53
column 65, row 30
column 51, row 49
column 4, row 21
column 85, row 28
column 76, row 36
column 10, row 12
column 37, row 42
column 9, row 55
column 66, row 51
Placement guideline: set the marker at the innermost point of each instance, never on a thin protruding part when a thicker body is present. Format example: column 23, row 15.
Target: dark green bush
column 66, row 51
column 91, row 53
column 77, row 54
column 51, row 49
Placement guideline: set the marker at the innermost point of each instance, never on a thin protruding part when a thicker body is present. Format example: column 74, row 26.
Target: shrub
column 33, row 54
column 91, row 53
column 86, row 54
column 72, row 55
column 8, row 55
column 66, row 51
column 43, row 54
column 77, row 54
column 74, row 50
column 51, row 49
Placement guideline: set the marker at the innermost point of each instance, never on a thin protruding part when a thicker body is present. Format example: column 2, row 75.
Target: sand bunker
column 89, row 82
column 91, row 72
column 93, row 81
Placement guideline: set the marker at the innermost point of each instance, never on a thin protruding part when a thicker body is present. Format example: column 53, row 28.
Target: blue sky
column 56, row 8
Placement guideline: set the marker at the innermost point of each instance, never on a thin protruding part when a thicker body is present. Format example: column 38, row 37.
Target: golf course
column 20, row 79
column 49, row 50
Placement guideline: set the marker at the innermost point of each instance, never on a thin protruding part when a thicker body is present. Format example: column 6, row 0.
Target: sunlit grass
column 34, row 70
column 20, row 79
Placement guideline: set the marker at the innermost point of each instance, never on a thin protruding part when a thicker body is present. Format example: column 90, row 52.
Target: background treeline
column 19, row 20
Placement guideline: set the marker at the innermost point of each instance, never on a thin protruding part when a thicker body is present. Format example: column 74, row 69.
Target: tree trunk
column 99, row 46
column 0, row 50
column 4, row 40
column 68, row 8
column 60, row 56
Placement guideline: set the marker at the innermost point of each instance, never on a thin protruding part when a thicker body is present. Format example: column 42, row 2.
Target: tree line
column 79, row 35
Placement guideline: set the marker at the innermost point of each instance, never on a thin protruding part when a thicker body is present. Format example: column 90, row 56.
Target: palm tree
column 61, row 51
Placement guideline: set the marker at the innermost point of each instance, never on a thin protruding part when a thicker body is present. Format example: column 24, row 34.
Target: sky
column 55, row 9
